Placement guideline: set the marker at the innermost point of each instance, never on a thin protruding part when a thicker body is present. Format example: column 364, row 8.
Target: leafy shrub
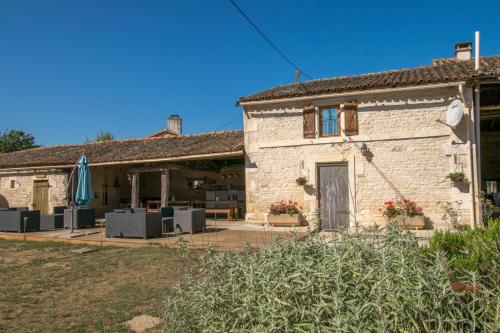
column 351, row 283
column 471, row 250
column 457, row 177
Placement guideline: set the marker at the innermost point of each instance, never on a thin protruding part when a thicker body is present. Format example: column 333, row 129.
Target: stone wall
column 412, row 152
column 21, row 195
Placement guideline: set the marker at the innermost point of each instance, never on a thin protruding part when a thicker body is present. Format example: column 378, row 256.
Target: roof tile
column 128, row 150
column 439, row 72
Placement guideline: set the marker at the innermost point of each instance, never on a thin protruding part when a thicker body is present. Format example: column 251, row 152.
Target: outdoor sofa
column 133, row 223
column 54, row 220
column 167, row 219
column 190, row 220
column 12, row 219
column 83, row 217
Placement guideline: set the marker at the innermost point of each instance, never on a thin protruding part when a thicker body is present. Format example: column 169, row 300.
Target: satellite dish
column 454, row 113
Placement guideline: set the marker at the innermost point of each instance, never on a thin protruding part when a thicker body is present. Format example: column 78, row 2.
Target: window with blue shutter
column 329, row 122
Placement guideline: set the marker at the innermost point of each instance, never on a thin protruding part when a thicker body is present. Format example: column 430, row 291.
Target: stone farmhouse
column 166, row 168
column 340, row 147
column 361, row 140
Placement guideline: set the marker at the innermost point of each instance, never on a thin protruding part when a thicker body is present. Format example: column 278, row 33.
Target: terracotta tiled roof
column 440, row 72
column 128, row 150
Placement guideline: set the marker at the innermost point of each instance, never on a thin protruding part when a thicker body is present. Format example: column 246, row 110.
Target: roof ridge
column 471, row 62
column 447, row 71
column 213, row 132
column 390, row 71
column 125, row 140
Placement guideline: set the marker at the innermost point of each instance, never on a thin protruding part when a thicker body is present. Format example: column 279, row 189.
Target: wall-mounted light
column 364, row 149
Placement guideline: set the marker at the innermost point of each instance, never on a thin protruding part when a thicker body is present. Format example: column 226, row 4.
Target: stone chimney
column 174, row 123
column 463, row 51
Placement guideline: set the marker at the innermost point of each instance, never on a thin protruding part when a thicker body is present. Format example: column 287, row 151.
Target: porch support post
column 134, row 203
column 165, row 185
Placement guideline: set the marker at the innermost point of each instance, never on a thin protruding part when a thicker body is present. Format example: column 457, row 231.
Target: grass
column 44, row 287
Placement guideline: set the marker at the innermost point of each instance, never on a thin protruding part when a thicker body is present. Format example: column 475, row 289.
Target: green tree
column 15, row 140
column 102, row 136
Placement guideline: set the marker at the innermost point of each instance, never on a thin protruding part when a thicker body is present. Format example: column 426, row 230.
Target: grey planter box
column 13, row 220
column 83, row 217
column 133, row 224
column 55, row 220
column 189, row 220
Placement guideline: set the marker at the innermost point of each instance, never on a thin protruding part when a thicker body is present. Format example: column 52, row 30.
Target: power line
column 228, row 123
column 263, row 35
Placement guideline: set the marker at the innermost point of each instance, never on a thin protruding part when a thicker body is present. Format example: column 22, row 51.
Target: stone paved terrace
column 220, row 235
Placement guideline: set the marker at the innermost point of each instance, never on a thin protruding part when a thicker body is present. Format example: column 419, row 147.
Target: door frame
column 318, row 182
column 35, row 207
column 331, row 157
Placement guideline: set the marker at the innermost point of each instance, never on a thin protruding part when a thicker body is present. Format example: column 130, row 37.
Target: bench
column 228, row 211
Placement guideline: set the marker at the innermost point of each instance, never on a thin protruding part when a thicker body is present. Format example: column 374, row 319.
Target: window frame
column 339, row 125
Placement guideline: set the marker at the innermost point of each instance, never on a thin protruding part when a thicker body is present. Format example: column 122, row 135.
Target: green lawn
column 44, row 287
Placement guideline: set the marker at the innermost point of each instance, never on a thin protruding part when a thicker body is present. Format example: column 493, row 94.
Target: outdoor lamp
column 364, row 149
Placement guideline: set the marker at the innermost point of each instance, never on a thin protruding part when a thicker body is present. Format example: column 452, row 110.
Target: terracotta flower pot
column 407, row 222
column 282, row 220
column 301, row 181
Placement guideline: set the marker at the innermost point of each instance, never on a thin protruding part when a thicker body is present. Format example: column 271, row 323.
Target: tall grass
column 352, row 283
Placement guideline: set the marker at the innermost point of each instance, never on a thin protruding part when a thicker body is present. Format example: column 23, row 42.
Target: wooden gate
column 41, row 196
column 333, row 182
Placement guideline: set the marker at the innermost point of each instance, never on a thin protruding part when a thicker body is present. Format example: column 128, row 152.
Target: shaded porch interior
column 211, row 184
column 490, row 144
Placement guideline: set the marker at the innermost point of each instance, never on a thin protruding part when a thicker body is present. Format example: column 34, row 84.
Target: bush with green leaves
column 471, row 250
column 377, row 282
column 15, row 140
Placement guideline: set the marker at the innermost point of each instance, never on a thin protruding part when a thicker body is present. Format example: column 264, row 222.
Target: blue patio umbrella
column 84, row 195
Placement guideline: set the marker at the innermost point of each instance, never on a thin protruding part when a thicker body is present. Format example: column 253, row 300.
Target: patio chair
column 80, row 217
column 12, row 219
column 190, row 220
column 133, row 223
column 167, row 219
column 54, row 220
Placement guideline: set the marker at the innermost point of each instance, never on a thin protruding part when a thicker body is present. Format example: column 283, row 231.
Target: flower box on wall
column 405, row 213
column 284, row 220
column 412, row 223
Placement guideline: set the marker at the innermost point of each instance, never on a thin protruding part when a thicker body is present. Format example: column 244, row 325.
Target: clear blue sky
column 69, row 69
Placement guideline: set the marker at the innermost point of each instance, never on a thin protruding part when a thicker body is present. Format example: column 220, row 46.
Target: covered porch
column 215, row 184
column 490, row 144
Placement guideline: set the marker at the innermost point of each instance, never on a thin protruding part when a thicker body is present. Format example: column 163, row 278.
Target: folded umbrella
column 84, row 195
